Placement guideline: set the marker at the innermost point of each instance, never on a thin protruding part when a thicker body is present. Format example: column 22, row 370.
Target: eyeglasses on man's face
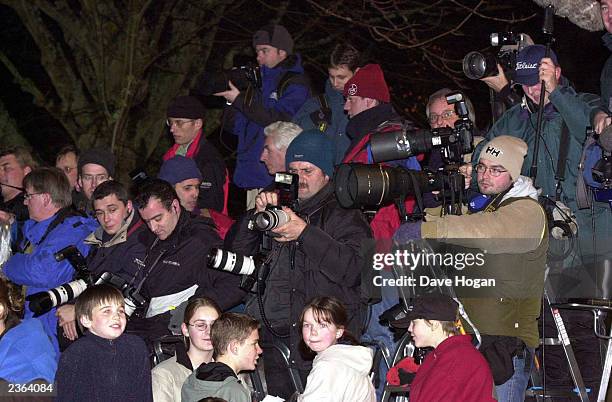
column 494, row 171
column 178, row 123
column 446, row 115
column 28, row 196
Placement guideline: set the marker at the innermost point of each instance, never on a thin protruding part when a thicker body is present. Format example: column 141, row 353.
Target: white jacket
column 340, row 374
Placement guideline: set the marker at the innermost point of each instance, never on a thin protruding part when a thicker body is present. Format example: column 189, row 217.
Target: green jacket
column 606, row 75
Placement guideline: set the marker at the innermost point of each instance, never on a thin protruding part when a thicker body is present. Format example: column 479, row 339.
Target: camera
column 455, row 142
column 287, row 185
column 477, row 65
column 241, row 76
column 247, row 266
column 43, row 302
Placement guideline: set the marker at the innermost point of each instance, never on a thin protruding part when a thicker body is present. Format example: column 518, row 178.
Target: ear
column 129, row 206
column 233, row 348
column 282, row 53
column 85, row 322
column 339, row 333
column 199, row 123
column 558, row 72
column 184, row 330
column 176, row 205
column 26, row 170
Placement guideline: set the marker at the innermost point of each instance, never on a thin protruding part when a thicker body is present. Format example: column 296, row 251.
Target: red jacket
column 454, row 371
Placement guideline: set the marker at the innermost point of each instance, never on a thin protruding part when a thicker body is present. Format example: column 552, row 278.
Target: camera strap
column 60, row 217
column 562, row 160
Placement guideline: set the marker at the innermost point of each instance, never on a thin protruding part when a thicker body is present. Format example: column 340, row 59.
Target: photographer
column 606, row 73
column 53, row 225
column 284, row 89
column 115, row 245
column 511, row 226
column 173, row 268
column 316, row 253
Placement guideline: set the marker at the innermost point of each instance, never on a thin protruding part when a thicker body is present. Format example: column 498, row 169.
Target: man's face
column 269, row 56
column 357, row 104
column 441, row 114
column 312, row 179
column 188, row 191
column 37, row 204
column 606, row 14
column 339, row 75
column 11, row 173
column 107, row 320
column 249, row 351
column 160, row 220
column 91, row 175
column 272, row 157
column 488, row 183
column 68, row 164
column 184, row 130
column 533, row 91
column 111, row 213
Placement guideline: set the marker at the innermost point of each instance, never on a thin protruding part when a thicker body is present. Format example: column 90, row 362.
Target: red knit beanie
column 368, row 82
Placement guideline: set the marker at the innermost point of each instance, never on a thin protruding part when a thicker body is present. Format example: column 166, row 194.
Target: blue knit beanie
column 314, row 147
column 179, row 168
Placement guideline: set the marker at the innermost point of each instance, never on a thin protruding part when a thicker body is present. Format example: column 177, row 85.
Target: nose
column 346, row 105
column 106, row 218
column 264, row 155
column 259, row 349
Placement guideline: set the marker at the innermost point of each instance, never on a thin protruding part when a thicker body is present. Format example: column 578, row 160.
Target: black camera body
column 242, row 77
column 131, row 297
column 477, row 65
column 287, row 186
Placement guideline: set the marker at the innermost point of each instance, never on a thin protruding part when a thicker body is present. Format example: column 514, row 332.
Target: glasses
column 178, row 123
column 493, row 171
column 99, row 178
column 27, row 196
column 202, row 325
column 446, row 115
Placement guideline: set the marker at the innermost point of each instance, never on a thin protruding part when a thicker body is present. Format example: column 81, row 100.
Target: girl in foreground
column 169, row 375
column 340, row 370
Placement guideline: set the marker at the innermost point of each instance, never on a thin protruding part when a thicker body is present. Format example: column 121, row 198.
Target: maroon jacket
column 454, row 371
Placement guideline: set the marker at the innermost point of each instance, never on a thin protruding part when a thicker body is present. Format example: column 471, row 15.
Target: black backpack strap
column 562, row 159
column 322, row 116
column 291, row 77
column 61, row 216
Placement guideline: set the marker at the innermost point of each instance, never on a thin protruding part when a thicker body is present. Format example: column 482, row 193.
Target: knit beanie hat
column 185, row 107
column 98, row 156
column 527, row 70
column 179, row 168
column 314, row 147
column 274, row 35
column 506, row 151
column 368, row 82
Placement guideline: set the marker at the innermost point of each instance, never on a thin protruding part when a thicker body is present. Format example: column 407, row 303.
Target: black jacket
column 212, row 166
column 366, row 121
column 177, row 264
column 326, row 262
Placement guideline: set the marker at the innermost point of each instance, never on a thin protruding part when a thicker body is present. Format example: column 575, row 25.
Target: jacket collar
column 95, row 238
column 317, row 200
column 358, row 126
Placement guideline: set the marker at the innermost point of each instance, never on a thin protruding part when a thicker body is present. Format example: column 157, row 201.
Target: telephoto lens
column 43, row 302
column 269, row 219
column 231, row 262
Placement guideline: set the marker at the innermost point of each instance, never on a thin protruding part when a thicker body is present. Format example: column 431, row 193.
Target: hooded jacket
column 606, row 75
column 214, row 380
column 335, row 128
column 255, row 109
column 38, row 269
column 325, row 260
column 454, row 371
column 340, row 373
column 168, row 376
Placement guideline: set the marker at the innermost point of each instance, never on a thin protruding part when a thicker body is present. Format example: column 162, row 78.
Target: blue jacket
column 26, row 354
column 255, row 109
column 336, row 129
column 606, row 75
column 38, row 269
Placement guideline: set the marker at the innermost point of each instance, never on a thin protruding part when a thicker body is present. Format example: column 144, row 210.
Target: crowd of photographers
column 324, row 174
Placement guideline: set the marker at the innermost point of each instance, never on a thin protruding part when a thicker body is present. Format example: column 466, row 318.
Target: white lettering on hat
column 523, row 65
column 494, row 151
column 298, row 155
column 352, row 89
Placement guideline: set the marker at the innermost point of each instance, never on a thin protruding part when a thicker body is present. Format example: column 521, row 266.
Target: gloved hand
column 403, row 372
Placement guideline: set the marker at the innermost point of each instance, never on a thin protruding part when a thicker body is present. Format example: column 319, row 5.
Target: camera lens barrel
column 43, row 302
column 477, row 65
column 269, row 219
column 230, row 262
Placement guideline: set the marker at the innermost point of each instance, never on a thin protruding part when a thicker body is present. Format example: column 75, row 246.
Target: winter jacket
column 122, row 254
column 16, row 206
column 168, row 376
column 515, row 237
column 326, row 261
column 214, row 380
column 340, row 373
column 381, row 118
column 606, row 75
column 454, row 371
column 176, row 269
column 576, row 110
column 312, row 113
column 255, row 109
column 98, row 369
column 26, row 354
column 215, row 180
column 38, row 269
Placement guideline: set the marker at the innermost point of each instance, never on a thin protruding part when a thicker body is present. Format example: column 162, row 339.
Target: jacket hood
column 214, row 371
column 359, row 358
column 523, row 187
column 607, row 40
column 292, row 63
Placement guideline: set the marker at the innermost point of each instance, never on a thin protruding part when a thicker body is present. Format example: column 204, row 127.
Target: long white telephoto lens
column 231, row 262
